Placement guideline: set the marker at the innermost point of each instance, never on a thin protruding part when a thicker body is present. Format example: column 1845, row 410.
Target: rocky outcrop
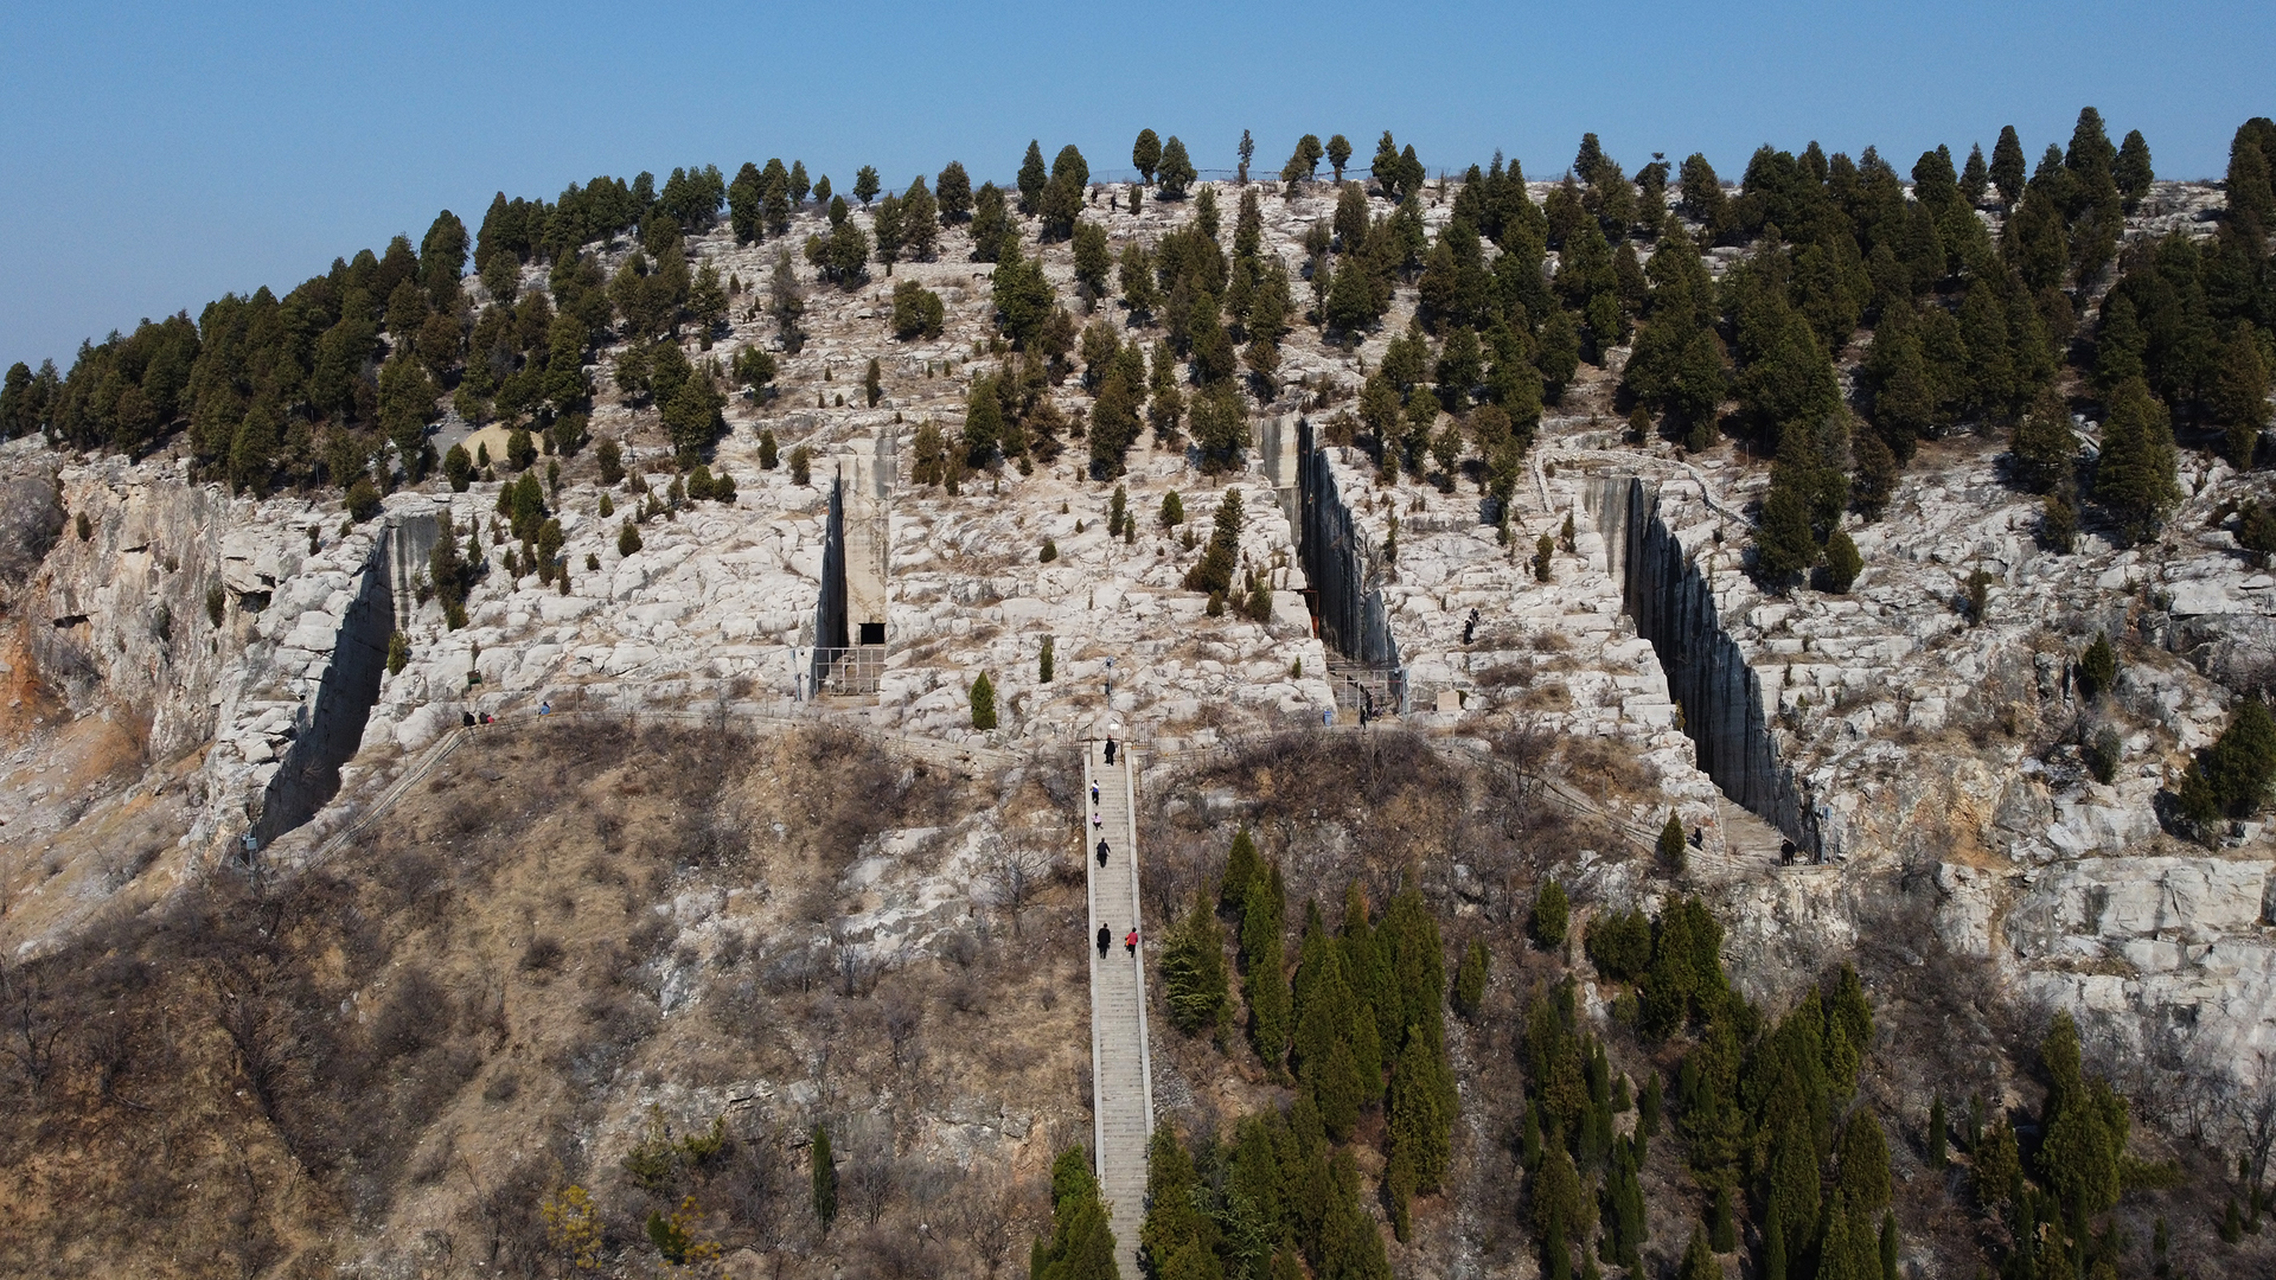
column 31, row 515
column 1676, row 609
column 1344, row 566
column 328, row 727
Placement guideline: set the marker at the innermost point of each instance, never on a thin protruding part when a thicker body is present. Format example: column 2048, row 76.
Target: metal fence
column 856, row 670
column 1379, row 691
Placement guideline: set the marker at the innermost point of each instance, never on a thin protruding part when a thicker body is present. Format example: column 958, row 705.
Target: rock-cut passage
column 1674, row 608
column 331, row 726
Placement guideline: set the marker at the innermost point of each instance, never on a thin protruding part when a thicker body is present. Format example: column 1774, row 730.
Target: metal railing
column 1378, row 690
column 859, row 669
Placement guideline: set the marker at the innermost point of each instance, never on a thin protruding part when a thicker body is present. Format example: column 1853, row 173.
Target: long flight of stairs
column 1121, row 1068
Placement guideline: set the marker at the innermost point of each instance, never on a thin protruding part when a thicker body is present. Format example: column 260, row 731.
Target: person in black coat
column 1102, row 853
column 1105, row 940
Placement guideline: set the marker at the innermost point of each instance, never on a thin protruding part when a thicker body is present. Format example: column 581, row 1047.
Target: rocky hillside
column 720, row 877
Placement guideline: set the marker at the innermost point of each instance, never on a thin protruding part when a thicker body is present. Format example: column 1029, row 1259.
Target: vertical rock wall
column 1674, row 608
column 330, row 725
column 830, row 611
column 1340, row 562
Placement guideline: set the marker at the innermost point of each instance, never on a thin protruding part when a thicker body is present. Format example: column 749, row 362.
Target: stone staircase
column 1121, row 1064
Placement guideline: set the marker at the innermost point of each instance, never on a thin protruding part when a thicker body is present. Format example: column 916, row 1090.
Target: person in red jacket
column 1130, row 941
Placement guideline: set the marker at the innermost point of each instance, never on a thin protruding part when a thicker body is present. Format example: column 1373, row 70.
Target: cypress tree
column 1842, row 562
column 1785, row 545
column 1864, row 1177
column 2239, row 395
column 2232, row 778
column 1470, row 978
column 1032, row 178
column 1173, row 1221
column 2008, row 165
column 1889, row 1232
column 1938, row 1124
column 2098, row 667
column 983, row 702
column 1081, row 1245
column 1876, row 475
column 1175, row 173
column 1265, row 979
column 1672, row 844
column 825, row 1180
column 1146, row 154
column 953, row 191
column 1724, row 1222
column 2132, row 170
column 1421, row 1128
column 1366, row 976
column 1350, row 1247
column 1837, row 1249
column 1975, row 177
column 2135, row 476
column 1193, row 970
column 1698, row 1261
column 2044, row 448
column 1241, row 868
column 1549, row 915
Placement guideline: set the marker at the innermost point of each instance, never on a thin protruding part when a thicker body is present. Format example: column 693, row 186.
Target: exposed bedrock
column 1674, row 608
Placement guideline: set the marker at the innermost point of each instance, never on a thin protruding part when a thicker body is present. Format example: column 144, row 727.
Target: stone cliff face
column 328, row 727
column 116, row 620
column 1674, row 607
column 1344, row 567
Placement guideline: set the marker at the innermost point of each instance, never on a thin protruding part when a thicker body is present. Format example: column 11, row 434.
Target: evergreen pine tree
column 983, row 703
column 1698, row 1260
column 1081, row 1245
column 2008, row 165
column 1193, row 971
column 824, row 1178
column 1938, row 1126
column 1146, row 154
column 1672, row 845
column 1265, row 980
column 1470, row 978
column 1242, row 867
column 953, row 191
column 1032, row 178
column 2135, row 476
column 1549, row 915
column 1785, row 544
column 1175, row 173
column 2044, row 448
column 1724, row 1224
column 2238, row 397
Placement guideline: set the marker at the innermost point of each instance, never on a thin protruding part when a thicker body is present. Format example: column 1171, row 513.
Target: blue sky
column 158, row 156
